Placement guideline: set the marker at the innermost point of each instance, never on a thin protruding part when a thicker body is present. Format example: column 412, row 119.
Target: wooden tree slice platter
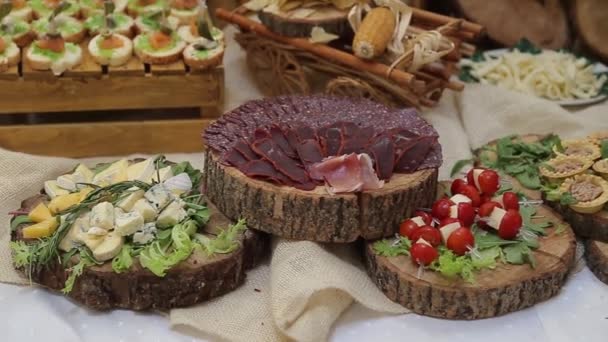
column 590, row 17
column 331, row 19
column 315, row 215
column 596, row 253
column 495, row 292
column 590, row 226
column 197, row 279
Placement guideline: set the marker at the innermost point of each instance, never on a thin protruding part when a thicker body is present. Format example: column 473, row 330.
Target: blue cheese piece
column 146, row 234
column 127, row 203
column 158, row 196
column 102, row 216
column 127, row 223
column 172, row 215
column 145, row 209
column 76, row 234
column 53, row 190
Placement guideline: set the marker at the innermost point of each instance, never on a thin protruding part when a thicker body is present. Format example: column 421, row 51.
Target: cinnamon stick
column 438, row 19
column 321, row 50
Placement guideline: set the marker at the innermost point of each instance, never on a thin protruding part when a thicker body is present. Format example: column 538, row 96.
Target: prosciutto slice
column 347, row 173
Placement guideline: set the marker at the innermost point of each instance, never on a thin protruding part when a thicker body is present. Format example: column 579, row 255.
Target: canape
column 204, row 54
column 137, row 7
column 52, row 52
column 185, row 11
column 19, row 30
column 123, row 24
column 44, row 8
column 92, row 7
column 190, row 33
column 9, row 53
column 159, row 47
column 21, row 10
column 151, row 21
column 111, row 49
column 71, row 29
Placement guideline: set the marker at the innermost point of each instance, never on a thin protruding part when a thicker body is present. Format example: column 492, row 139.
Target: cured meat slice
column 243, row 147
column 277, row 135
column 368, row 175
column 410, row 160
column 287, row 166
column 309, row 152
column 264, row 169
column 331, row 141
column 234, row 158
column 305, row 132
column 347, row 173
column 261, row 133
column 382, row 151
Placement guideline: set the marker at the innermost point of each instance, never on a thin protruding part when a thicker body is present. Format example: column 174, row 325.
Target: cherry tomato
column 449, row 220
column 471, row 176
column 456, row 185
column 441, row 208
column 461, row 240
column 426, row 217
column 466, row 213
column 428, row 233
column 423, row 254
column 488, row 182
column 510, row 225
column 486, row 209
column 485, row 198
column 472, row 193
column 407, row 227
column 510, row 200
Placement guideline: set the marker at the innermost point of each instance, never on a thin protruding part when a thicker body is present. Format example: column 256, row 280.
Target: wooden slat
column 107, row 138
column 120, row 92
column 134, row 67
column 177, row 68
column 30, row 74
column 87, row 67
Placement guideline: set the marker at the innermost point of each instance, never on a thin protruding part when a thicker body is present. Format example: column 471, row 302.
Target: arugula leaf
column 485, row 240
column 459, row 165
column 519, row 254
column 76, row 271
column 22, row 253
column 66, row 257
column 486, row 258
column 527, row 212
column 18, row 220
column 604, row 147
column 123, row 261
column 566, row 198
column 560, row 229
column 393, row 248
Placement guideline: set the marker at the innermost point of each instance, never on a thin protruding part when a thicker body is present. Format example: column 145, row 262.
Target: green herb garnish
column 19, row 220
column 123, row 261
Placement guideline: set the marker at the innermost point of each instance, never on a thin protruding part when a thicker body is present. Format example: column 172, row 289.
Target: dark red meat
column 382, row 151
column 278, row 136
column 243, row 147
column 270, row 151
column 309, row 152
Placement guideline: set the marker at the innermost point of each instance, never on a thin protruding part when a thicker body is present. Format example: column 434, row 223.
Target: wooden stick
column 321, row 50
column 467, row 49
column 438, row 19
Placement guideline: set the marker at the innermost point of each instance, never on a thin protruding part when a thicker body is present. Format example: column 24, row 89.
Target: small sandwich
column 190, row 33
column 123, row 24
column 111, row 49
column 18, row 30
column 137, row 7
column 185, row 11
column 90, row 8
column 159, row 47
column 151, row 21
column 72, row 30
column 51, row 52
column 43, row 8
column 21, row 10
column 206, row 51
column 9, row 53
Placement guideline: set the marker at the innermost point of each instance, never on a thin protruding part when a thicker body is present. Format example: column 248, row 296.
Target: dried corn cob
column 375, row 33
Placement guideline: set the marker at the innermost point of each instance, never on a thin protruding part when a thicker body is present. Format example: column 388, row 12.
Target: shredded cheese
column 551, row 74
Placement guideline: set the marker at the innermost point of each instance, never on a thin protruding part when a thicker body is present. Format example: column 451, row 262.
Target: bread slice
column 41, row 10
column 185, row 16
column 10, row 56
column 204, row 59
column 39, row 59
column 71, row 29
column 166, row 56
column 117, row 57
column 25, row 13
column 124, row 24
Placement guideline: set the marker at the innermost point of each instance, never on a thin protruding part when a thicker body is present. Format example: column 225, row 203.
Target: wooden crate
column 92, row 87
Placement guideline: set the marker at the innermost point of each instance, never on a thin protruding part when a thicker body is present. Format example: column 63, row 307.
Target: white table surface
column 578, row 313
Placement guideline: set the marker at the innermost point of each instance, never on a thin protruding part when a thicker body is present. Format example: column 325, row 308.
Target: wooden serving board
column 591, row 226
column 505, row 289
column 596, row 253
column 315, row 215
column 90, row 86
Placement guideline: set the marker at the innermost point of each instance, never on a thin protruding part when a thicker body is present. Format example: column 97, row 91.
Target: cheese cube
column 102, row 216
column 447, row 230
column 454, row 211
column 459, row 198
column 142, row 171
column 71, row 239
column 165, row 173
column 172, row 215
column 40, row 213
column 84, row 173
column 145, row 209
column 115, row 173
column 109, row 247
column 128, row 223
column 423, row 241
column 128, row 202
column 53, row 190
column 419, row 221
column 158, row 196
column 97, row 231
column 476, row 174
column 67, row 182
column 179, row 184
column 146, row 234
column 495, row 217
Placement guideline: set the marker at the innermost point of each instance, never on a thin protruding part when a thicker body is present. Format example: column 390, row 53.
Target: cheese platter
column 132, row 234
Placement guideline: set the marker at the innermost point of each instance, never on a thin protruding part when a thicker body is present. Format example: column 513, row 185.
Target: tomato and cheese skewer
column 507, row 222
column 408, row 226
column 462, row 209
column 423, row 253
column 484, row 180
column 428, row 233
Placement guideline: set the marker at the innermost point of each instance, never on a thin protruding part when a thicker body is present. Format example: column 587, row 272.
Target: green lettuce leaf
column 450, row 265
column 76, row 271
column 123, row 261
column 225, row 242
column 18, row 220
column 390, row 248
